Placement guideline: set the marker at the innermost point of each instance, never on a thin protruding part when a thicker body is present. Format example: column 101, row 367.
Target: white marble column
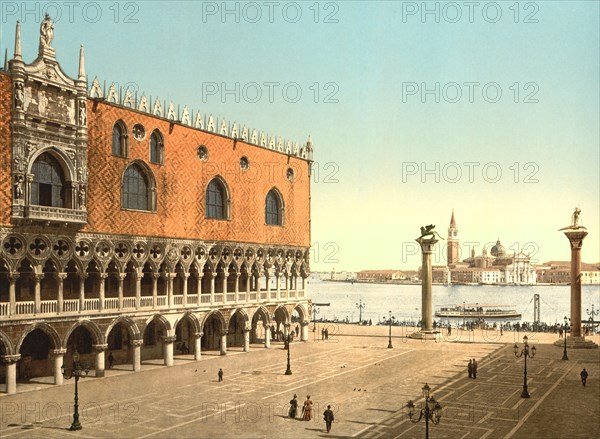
column 120, row 279
column 304, row 330
column 185, row 287
column 197, row 346
column 82, row 278
column 38, row 294
column 168, row 349
column 224, row 342
column 138, row 287
column 102, row 281
column 99, row 360
column 11, row 372
column 12, row 293
column 267, row 336
column 58, row 357
column 246, row 339
column 136, row 346
column 60, row 279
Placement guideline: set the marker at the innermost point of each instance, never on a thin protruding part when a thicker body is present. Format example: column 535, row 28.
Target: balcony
column 46, row 214
column 27, row 309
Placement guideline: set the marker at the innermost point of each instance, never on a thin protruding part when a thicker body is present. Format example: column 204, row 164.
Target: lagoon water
column 405, row 300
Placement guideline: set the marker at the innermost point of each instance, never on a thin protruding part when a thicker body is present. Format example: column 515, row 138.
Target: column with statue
column 575, row 233
column 427, row 241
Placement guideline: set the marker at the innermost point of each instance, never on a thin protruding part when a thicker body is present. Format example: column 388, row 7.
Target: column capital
column 136, row 342
column 223, row 332
column 122, row 276
column 214, row 274
column 155, row 276
column 13, row 276
column 168, row 339
column 11, row 359
column 100, row 347
column 186, row 275
column 39, row 276
column 61, row 276
column 102, row 275
column 58, row 352
column 198, row 334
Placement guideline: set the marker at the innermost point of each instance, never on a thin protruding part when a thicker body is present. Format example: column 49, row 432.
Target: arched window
column 48, row 185
column 216, row 200
column 137, row 189
column 274, row 208
column 156, row 148
column 119, row 139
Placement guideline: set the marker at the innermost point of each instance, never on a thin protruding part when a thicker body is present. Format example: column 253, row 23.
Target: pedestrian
column 584, row 376
column 184, row 349
column 111, row 360
column 307, row 409
column 500, row 330
column 323, row 334
column 220, row 374
column 449, row 329
column 328, row 417
column 474, row 368
column 470, row 368
column 293, row 407
column 326, row 334
column 297, row 330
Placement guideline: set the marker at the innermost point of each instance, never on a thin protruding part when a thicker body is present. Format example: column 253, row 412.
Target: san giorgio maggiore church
column 495, row 267
column 127, row 227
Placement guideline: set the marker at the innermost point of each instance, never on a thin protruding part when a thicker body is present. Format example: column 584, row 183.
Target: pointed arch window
column 138, row 189
column 274, row 208
column 156, row 148
column 217, row 200
column 119, row 139
column 48, row 186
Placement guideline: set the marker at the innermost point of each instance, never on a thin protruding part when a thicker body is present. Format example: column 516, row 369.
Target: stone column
column 185, row 287
column 224, row 342
column 120, row 290
column 169, row 278
column 168, row 341
column 197, row 345
column 212, row 287
column 102, row 277
column 58, row 356
column 11, row 372
column 576, row 240
column 136, row 345
column 268, row 282
column 12, row 293
column 155, row 277
column 138, row 287
column 304, row 330
column 60, row 278
column 426, row 331
column 237, row 285
column 225, row 276
column 267, row 336
column 38, row 293
column 99, row 361
column 199, row 289
column 82, row 278
column 246, row 339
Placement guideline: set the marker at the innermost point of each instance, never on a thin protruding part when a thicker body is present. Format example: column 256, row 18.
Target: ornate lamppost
column 525, row 352
column 360, row 305
column 591, row 319
column 77, row 372
column 431, row 413
column 315, row 312
column 565, row 329
column 288, row 371
column 391, row 317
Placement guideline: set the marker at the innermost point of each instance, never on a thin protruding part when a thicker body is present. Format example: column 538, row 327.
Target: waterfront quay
column 366, row 383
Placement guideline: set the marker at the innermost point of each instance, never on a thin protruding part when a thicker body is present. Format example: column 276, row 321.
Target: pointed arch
column 131, row 326
column 46, row 329
column 218, row 315
column 217, row 199
column 120, row 139
column 98, row 337
column 274, row 208
column 51, row 180
column 138, row 187
column 5, row 341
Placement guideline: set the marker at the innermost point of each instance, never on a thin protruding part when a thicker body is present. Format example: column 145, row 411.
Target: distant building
column 559, row 272
column 380, row 275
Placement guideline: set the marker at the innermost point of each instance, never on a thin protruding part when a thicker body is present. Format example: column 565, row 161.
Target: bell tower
column 452, row 242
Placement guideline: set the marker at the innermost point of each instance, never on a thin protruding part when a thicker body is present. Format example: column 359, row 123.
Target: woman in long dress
column 307, row 409
column 293, row 407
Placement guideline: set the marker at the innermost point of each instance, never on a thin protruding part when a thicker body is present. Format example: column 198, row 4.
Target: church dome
column 498, row 250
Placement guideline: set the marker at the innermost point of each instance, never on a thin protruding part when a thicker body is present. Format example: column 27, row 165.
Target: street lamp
column 391, row 317
column 565, row 328
column 288, row 371
column 525, row 352
column 591, row 319
column 315, row 312
column 77, row 372
column 360, row 305
column 433, row 413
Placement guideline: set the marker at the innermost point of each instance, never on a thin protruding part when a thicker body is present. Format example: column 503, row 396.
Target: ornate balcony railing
column 51, row 214
column 111, row 304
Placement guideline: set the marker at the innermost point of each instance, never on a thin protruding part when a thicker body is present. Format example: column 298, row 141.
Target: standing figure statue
column 576, row 217
column 46, row 32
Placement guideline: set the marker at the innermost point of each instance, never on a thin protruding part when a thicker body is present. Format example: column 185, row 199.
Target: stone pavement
column 367, row 385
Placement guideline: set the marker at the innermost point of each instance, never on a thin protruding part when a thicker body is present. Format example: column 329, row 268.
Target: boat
column 479, row 311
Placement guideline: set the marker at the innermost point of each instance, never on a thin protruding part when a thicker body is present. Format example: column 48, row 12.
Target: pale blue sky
column 367, row 207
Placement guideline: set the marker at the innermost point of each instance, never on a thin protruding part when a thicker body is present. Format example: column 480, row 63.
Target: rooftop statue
column 46, row 32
